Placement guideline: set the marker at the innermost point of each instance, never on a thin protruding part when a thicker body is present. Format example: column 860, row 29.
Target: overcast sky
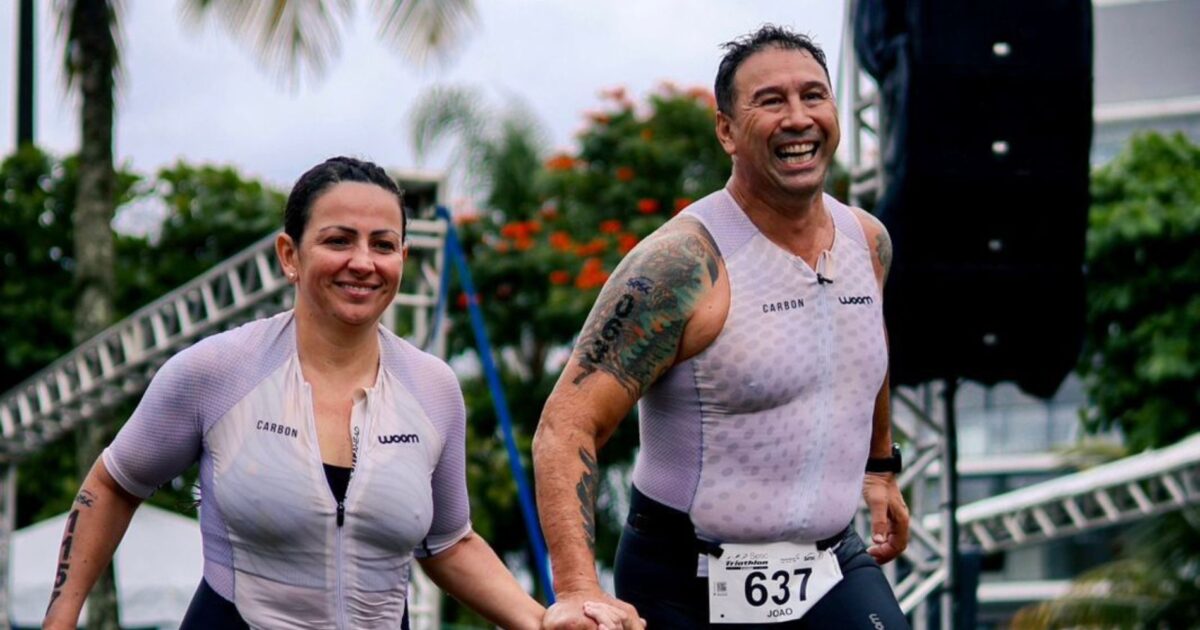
column 192, row 92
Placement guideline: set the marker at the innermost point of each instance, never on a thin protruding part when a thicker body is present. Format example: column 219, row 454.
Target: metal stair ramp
column 1140, row 486
column 1136, row 487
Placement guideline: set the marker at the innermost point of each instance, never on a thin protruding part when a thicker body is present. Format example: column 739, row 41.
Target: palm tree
column 289, row 35
column 495, row 152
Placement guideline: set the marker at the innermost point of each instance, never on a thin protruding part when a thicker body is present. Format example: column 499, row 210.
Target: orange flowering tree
column 540, row 263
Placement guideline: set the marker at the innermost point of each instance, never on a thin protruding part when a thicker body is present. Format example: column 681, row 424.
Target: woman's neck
column 336, row 352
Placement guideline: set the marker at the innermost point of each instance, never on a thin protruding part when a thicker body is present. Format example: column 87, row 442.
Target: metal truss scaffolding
column 116, row 365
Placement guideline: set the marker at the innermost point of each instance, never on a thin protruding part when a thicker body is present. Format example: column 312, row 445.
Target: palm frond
column 424, row 29
column 291, row 37
column 446, row 112
column 77, row 20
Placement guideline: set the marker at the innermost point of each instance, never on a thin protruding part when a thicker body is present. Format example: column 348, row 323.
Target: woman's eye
column 386, row 246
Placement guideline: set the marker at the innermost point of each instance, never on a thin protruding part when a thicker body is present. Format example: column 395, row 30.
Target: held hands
column 889, row 516
column 591, row 611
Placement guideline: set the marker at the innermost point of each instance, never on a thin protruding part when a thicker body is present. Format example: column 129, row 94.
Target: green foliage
column 212, row 213
column 1157, row 585
column 1141, row 363
column 1142, row 349
column 36, row 286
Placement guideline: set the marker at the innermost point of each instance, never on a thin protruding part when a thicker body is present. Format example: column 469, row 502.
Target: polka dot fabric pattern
column 786, row 392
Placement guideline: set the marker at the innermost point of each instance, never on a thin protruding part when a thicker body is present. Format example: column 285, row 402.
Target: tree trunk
column 94, row 57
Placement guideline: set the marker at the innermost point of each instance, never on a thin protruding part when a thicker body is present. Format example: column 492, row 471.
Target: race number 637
column 759, row 588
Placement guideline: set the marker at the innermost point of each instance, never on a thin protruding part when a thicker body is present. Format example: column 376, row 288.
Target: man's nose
column 797, row 115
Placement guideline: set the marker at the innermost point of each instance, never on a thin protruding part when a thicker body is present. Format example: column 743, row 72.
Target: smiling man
column 749, row 331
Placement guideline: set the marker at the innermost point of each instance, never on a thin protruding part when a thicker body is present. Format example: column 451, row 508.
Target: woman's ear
column 288, row 254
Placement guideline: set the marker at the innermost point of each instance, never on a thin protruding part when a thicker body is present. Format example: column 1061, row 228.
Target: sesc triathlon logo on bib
column 400, row 438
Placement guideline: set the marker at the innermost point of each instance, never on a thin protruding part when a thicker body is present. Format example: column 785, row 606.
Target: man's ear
column 725, row 133
column 285, row 250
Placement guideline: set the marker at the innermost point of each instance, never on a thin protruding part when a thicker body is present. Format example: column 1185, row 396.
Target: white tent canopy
column 158, row 566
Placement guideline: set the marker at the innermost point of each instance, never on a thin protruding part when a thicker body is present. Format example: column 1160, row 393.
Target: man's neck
column 799, row 224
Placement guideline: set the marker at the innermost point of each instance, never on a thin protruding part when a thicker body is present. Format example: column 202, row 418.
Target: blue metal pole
column 500, row 402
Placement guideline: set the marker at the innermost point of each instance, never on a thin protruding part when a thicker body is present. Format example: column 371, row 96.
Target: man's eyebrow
column 777, row 88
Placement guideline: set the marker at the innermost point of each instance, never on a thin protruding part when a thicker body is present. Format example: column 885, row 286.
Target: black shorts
column 656, row 573
column 209, row 610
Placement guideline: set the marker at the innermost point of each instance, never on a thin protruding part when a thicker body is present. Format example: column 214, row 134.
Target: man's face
column 783, row 130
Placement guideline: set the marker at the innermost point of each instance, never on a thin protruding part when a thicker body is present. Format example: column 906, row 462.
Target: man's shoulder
column 683, row 242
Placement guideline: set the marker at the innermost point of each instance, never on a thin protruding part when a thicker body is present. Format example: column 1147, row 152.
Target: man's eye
column 814, row 96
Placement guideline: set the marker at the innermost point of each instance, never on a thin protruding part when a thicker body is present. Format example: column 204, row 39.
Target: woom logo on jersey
column 400, row 438
column 784, row 305
column 857, row 299
column 280, row 429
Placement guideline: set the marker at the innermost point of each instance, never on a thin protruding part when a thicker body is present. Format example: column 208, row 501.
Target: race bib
column 769, row 583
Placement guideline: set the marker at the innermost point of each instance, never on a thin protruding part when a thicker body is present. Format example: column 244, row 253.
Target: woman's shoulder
column 255, row 346
column 412, row 364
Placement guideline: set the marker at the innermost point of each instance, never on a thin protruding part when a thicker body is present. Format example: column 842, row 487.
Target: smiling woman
column 331, row 451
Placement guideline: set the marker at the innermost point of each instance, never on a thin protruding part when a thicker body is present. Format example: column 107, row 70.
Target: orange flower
column 614, row 94
column 549, row 211
column 560, row 162
column 592, row 247
column 515, row 230
column 624, row 173
column 560, row 241
column 611, row 226
column 534, row 226
column 647, row 206
column 502, row 247
column 600, row 118
column 647, row 134
column 559, row 277
column 681, row 203
column 524, row 244
column 704, row 95
column 626, row 242
column 592, row 275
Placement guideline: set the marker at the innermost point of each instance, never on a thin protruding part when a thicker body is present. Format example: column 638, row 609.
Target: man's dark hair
column 738, row 50
column 317, row 179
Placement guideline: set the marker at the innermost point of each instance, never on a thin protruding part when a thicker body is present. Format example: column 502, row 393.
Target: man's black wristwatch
column 886, row 464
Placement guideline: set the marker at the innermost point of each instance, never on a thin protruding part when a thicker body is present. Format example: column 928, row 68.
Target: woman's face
column 347, row 266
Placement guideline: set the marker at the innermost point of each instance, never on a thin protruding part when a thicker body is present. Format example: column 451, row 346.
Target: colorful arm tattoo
column 634, row 329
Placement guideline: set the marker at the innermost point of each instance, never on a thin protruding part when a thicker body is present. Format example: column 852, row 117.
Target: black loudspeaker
column 986, row 130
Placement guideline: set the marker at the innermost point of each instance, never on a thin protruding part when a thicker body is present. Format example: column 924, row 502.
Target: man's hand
column 591, row 611
column 889, row 516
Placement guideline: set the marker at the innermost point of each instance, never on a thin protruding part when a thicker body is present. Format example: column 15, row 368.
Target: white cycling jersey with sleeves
column 764, row 435
column 276, row 541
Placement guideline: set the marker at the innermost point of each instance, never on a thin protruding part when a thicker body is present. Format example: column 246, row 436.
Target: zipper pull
column 341, row 513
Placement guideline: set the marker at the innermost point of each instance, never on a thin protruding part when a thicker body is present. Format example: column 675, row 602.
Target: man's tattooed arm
column 635, row 327
column 588, row 489
column 883, row 247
